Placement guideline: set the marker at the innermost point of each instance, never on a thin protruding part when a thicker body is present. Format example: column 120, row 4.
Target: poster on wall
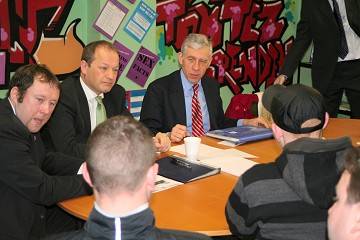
column 110, row 18
column 2, row 68
column 140, row 22
column 125, row 55
column 142, row 66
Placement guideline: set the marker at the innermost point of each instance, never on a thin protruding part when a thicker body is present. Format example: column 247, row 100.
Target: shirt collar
column 90, row 94
column 187, row 85
column 132, row 212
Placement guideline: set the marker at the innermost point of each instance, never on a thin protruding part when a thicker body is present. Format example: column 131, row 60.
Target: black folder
column 184, row 171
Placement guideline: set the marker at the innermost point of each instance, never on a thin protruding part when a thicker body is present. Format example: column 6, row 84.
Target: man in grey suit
column 334, row 28
column 76, row 114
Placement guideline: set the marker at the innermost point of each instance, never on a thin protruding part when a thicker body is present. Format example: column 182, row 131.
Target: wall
column 156, row 41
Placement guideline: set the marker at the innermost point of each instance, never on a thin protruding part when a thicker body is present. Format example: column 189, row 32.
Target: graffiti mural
column 246, row 35
column 31, row 28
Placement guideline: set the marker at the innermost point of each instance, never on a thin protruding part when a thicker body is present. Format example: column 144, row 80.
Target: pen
column 180, row 162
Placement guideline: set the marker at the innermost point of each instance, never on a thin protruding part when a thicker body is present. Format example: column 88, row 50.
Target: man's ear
column 151, row 177
column 326, row 120
column 278, row 133
column 180, row 58
column 86, row 174
column 83, row 67
column 209, row 63
column 14, row 95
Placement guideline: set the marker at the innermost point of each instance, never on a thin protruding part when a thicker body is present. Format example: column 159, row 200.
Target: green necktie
column 100, row 111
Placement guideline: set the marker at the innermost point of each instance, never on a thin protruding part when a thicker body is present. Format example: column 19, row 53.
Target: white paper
column 230, row 164
column 110, row 18
column 237, row 153
column 163, row 183
column 206, row 152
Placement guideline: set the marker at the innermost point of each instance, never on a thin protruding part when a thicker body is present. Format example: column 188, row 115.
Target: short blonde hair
column 119, row 153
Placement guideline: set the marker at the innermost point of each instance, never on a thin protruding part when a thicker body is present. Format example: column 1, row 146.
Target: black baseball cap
column 291, row 106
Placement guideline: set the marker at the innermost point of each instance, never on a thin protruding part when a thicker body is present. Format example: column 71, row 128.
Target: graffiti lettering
column 23, row 23
column 252, row 30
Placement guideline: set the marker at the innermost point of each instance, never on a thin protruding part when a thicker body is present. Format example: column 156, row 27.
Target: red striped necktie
column 196, row 115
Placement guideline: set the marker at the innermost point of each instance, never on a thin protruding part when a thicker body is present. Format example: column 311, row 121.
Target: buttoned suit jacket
column 69, row 127
column 164, row 104
column 318, row 25
column 31, row 178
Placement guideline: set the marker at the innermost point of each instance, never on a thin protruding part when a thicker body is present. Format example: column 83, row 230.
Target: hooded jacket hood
column 312, row 167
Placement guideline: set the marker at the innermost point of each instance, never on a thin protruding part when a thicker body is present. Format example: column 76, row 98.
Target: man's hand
column 257, row 122
column 162, row 142
column 281, row 79
column 178, row 132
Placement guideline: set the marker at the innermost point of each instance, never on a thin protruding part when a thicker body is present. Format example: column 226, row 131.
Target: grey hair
column 196, row 41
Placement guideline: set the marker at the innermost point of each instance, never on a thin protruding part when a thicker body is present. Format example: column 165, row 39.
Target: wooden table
column 199, row 206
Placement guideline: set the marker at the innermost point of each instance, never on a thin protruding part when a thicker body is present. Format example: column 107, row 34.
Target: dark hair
column 89, row 50
column 119, row 152
column 25, row 75
column 352, row 165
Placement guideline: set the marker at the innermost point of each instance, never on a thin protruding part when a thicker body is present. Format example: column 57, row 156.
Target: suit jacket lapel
column 353, row 14
column 325, row 10
column 84, row 106
column 177, row 100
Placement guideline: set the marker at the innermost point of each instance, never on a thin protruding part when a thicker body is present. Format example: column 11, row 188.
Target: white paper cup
column 192, row 145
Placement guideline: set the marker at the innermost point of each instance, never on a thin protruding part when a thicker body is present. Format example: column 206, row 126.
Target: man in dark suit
column 168, row 105
column 336, row 56
column 77, row 113
column 32, row 180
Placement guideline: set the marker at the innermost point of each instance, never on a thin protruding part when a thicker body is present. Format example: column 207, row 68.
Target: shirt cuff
column 240, row 122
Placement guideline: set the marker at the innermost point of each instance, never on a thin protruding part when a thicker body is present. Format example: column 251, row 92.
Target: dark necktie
column 343, row 50
column 196, row 115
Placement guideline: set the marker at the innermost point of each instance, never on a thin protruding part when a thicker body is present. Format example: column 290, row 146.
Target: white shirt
column 352, row 39
column 92, row 103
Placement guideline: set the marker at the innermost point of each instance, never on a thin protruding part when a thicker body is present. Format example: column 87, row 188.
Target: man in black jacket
column 76, row 114
column 289, row 198
column 122, row 183
column 333, row 26
column 32, row 181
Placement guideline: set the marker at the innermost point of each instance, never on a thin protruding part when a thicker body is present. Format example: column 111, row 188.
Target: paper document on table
column 206, row 152
column 230, row 164
column 237, row 153
column 163, row 183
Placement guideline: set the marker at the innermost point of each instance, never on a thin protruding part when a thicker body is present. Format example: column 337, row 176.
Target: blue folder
column 242, row 134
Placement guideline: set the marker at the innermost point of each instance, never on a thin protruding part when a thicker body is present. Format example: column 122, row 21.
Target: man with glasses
column 187, row 102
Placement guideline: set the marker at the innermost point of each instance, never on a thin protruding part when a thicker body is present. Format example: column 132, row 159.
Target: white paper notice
column 110, row 18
